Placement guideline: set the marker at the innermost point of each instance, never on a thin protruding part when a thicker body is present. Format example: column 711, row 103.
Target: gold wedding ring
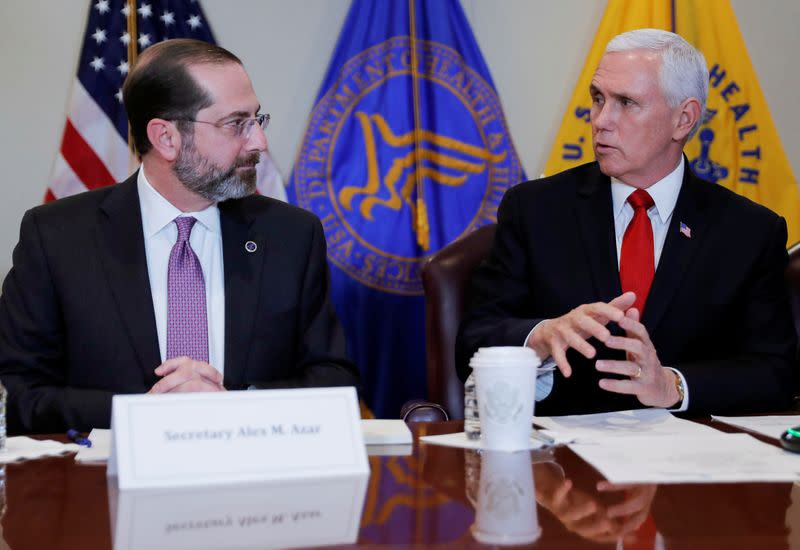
column 638, row 373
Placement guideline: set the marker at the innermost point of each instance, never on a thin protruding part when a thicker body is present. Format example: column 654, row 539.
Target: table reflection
column 309, row 512
column 437, row 497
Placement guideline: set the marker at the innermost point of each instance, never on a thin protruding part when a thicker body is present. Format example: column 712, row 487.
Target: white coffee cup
column 505, row 379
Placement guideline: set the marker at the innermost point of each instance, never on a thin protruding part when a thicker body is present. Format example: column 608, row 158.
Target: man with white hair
column 643, row 284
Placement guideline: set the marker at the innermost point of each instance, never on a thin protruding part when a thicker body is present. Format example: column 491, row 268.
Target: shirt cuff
column 544, row 382
column 528, row 337
column 685, row 403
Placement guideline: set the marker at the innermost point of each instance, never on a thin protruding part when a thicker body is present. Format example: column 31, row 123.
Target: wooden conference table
column 428, row 499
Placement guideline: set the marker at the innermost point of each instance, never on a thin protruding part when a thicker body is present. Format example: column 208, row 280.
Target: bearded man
column 179, row 279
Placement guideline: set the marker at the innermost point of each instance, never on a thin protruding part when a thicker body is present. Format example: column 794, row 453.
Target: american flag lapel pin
column 686, row 231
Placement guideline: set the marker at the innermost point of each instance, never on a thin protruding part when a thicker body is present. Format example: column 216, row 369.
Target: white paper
column 386, row 432
column 460, row 440
column 724, row 458
column 771, row 426
column 23, row 448
column 100, row 449
column 650, row 422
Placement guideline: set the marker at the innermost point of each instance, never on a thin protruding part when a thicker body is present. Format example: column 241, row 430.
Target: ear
column 689, row 112
column 164, row 137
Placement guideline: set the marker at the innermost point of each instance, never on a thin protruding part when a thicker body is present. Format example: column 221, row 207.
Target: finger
column 624, row 301
column 591, row 327
column 631, row 524
column 170, row 382
column 200, row 367
column 627, row 387
column 170, row 365
column 191, row 370
column 576, row 342
column 635, row 328
column 561, row 361
column 607, row 486
column 630, row 345
column 634, row 502
column 197, row 385
column 579, row 511
column 561, row 493
column 207, row 371
column 603, row 313
column 625, row 368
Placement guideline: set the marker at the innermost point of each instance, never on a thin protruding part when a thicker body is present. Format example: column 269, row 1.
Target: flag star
column 97, row 64
column 123, row 67
column 125, row 38
column 126, row 11
column 118, row 95
column 193, row 21
column 99, row 36
column 145, row 11
column 144, row 40
column 168, row 18
column 102, row 6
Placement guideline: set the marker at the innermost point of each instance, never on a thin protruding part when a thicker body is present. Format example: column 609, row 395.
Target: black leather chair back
column 445, row 278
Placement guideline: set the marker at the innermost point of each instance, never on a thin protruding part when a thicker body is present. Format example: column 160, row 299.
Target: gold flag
column 737, row 145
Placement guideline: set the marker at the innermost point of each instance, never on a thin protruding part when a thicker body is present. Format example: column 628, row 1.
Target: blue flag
column 406, row 150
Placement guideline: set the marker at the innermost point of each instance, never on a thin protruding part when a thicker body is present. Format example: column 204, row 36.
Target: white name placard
column 185, row 440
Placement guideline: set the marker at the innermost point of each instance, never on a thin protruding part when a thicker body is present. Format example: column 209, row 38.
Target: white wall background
column 534, row 48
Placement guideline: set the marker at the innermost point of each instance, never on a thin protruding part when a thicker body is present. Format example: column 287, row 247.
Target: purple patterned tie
column 187, row 324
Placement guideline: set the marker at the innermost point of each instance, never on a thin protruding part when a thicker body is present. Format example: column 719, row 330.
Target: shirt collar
column 664, row 192
column 158, row 212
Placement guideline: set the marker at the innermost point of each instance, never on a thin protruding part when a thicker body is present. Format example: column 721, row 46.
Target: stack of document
column 652, row 446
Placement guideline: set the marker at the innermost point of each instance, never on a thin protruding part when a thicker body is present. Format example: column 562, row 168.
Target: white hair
column 683, row 73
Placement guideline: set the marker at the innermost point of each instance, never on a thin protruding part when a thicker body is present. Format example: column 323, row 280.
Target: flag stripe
column 83, row 160
column 64, row 182
column 96, row 129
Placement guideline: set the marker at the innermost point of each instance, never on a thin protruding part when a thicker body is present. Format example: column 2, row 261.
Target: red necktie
column 637, row 260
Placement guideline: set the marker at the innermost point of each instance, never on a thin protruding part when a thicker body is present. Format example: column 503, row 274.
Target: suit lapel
column 121, row 250
column 595, row 217
column 679, row 250
column 242, row 266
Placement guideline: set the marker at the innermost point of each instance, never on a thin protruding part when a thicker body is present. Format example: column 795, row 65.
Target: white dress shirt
column 664, row 194
column 160, row 234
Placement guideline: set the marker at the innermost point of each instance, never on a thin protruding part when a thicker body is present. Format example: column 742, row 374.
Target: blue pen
column 76, row 437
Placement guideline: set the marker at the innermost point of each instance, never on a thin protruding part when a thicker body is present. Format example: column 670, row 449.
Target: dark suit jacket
column 76, row 314
column 718, row 309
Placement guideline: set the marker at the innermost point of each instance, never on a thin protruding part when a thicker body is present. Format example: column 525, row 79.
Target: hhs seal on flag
column 393, row 185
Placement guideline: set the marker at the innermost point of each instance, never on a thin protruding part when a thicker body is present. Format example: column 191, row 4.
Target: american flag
column 685, row 230
column 94, row 148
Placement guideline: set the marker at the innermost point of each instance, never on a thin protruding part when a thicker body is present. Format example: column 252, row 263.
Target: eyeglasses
column 240, row 128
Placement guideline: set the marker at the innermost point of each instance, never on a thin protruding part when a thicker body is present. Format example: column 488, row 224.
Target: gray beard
column 212, row 182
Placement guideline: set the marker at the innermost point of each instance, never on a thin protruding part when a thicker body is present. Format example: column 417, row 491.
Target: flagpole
column 132, row 56
column 672, row 15
column 422, row 223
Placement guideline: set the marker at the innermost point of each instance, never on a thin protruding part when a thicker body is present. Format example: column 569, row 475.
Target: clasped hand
column 183, row 374
column 649, row 381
